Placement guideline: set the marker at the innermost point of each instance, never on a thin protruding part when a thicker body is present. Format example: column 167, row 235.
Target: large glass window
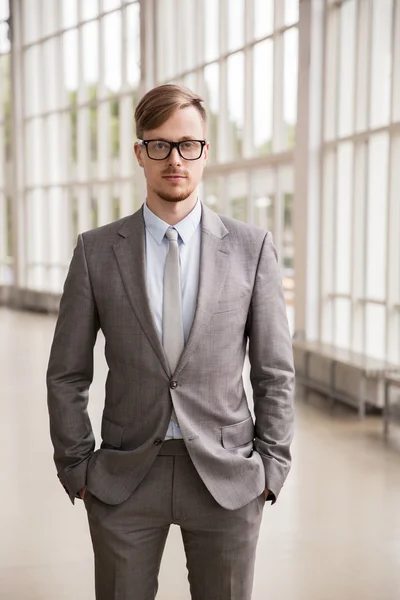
column 360, row 271
column 81, row 66
column 73, row 130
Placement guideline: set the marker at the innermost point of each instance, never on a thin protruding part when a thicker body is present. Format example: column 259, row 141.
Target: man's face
column 174, row 179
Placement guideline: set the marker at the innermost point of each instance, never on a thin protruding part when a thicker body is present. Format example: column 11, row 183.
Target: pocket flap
column 111, row 433
column 238, row 434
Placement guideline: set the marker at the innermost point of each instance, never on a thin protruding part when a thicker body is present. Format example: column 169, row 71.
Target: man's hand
column 82, row 493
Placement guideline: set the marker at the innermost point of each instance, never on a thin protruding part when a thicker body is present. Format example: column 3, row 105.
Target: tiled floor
column 333, row 535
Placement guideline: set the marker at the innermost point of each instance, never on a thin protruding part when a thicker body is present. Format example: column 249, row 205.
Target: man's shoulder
column 109, row 232
column 242, row 230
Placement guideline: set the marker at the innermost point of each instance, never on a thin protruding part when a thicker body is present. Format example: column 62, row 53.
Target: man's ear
column 138, row 151
column 205, row 151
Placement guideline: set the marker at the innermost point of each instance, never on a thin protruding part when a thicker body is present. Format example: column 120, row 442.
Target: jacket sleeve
column 70, row 373
column 272, row 370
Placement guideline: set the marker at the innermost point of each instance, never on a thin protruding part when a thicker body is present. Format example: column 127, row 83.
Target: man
column 178, row 292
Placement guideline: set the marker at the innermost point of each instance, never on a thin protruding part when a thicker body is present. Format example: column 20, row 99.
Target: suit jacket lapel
column 131, row 257
column 214, row 262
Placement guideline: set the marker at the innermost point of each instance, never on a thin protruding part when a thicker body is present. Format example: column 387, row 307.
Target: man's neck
column 171, row 212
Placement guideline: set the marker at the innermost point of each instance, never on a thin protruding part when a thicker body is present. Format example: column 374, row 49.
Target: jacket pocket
column 111, row 433
column 238, row 434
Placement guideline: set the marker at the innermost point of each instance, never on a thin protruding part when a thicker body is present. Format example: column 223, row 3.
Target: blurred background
column 304, row 124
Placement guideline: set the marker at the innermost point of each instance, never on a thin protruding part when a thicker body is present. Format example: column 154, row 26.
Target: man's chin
column 177, row 197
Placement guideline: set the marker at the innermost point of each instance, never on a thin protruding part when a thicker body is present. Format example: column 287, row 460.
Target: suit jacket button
column 173, row 385
column 158, row 442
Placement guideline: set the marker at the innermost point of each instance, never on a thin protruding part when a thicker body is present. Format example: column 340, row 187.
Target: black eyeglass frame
column 173, row 145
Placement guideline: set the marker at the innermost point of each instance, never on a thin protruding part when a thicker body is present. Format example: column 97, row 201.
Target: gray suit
column 240, row 297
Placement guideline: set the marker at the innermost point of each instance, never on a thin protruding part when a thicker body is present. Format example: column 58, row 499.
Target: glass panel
column 327, row 235
column 381, row 62
column 70, row 60
column 342, row 322
column 69, row 13
column 167, row 64
column 188, row 15
column 291, row 11
column 93, row 136
column 212, row 195
column 190, row 81
column 52, row 165
column 49, row 61
column 59, row 225
column 376, row 216
column 4, row 10
column 394, row 226
column 211, row 30
column 263, row 17
column 263, row 186
column 112, row 51
column 363, row 66
column 94, row 210
column 211, row 80
column 344, row 184
column 111, row 4
column 290, row 67
column 31, row 11
column 347, row 70
column 330, row 82
column 375, row 330
column 89, row 9
column 36, row 204
column 5, row 45
column 236, row 23
column 236, row 103
column 286, row 186
column 73, row 136
column 49, row 18
column 114, row 125
column 238, row 193
column 263, row 97
column 90, row 42
column 34, row 151
column 133, row 44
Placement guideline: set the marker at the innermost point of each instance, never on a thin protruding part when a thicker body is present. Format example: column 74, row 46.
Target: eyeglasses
column 161, row 149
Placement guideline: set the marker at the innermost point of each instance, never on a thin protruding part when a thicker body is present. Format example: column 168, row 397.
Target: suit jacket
column 240, row 299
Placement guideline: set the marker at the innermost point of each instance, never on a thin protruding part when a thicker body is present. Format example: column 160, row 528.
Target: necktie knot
column 171, row 234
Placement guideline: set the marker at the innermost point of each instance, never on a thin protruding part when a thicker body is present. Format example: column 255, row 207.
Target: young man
column 178, row 291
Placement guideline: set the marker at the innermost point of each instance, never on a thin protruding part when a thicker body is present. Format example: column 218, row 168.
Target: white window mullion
column 395, row 112
column 362, row 66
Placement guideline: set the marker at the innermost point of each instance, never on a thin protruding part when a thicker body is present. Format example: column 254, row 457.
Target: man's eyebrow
column 182, row 139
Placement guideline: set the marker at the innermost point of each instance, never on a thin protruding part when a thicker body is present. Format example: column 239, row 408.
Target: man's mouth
column 174, row 177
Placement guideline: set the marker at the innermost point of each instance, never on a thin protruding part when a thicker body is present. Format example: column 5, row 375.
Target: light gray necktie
column 173, row 337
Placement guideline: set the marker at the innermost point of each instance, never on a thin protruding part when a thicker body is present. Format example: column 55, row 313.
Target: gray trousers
column 129, row 539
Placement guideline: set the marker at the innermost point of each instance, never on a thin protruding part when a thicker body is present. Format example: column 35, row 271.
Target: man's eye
column 188, row 145
column 161, row 146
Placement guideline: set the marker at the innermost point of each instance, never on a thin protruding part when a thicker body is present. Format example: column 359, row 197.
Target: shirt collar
column 186, row 228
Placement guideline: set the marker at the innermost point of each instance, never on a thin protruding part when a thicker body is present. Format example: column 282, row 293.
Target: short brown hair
column 161, row 102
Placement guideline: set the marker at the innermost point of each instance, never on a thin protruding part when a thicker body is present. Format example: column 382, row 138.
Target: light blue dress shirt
column 157, row 246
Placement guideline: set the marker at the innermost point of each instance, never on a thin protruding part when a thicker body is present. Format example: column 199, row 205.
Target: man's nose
column 174, row 158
